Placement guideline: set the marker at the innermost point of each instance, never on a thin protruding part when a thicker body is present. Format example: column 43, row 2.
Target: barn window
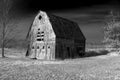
column 48, row 46
column 38, row 29
column 40, row 17
column 42, row 39
column 32, row 47
column 43, row 47
column 38, row 39
column 42, row 32
column 37, row 47
column 38, row 35
column 38, row 32
column 42, row 35
column 68, row 51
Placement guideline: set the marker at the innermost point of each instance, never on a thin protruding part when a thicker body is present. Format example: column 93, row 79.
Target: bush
column 95, row 53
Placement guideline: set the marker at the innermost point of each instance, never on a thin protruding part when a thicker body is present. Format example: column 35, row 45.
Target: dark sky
column 89, row 14
column 57, row 5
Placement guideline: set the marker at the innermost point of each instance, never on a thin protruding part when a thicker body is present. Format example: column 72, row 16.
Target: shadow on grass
column 85, row 55
column 95, row 53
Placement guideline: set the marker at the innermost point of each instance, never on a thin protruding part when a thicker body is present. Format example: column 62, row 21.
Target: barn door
column 40, row 52
column 48, row 52
column 33, row 53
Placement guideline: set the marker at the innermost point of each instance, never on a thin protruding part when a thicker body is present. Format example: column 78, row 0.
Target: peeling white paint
column 42, row 36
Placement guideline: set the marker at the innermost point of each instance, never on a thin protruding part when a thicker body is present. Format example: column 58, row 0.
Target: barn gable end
column 42, row 38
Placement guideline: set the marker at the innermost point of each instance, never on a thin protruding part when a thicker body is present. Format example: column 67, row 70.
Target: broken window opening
column 48, row 46
column 38, row 29
column 32, row 47
column 40, row 17
column 42, row 35
column 40, row 39
column 38, row 33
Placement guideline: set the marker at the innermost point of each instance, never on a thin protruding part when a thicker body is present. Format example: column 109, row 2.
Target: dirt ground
column 106, row 67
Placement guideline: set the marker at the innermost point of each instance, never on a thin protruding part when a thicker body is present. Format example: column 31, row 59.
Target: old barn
column 51, row 37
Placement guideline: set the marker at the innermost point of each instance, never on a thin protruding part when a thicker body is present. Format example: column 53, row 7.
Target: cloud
column 94, row 14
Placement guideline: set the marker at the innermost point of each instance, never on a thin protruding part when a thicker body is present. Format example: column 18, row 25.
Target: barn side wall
column 80, row 47
column 66, row 48
column 52, row 50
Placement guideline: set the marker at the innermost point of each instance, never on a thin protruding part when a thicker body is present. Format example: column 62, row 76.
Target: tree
column 112, row 31
column 6, row 26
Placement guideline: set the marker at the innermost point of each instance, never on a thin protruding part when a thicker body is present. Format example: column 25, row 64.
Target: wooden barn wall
column 50, row 56
column 62, row 46
column 80, row 47
column 80, row 43
column 68, row 48
column 52, row 50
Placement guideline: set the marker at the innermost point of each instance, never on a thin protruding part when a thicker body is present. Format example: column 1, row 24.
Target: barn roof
column 64, row 28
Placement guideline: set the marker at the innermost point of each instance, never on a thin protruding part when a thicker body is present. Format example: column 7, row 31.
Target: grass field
column 16, row 67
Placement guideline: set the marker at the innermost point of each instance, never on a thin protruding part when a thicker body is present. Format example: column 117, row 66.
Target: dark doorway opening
column 68, row 51
column 80, row 51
